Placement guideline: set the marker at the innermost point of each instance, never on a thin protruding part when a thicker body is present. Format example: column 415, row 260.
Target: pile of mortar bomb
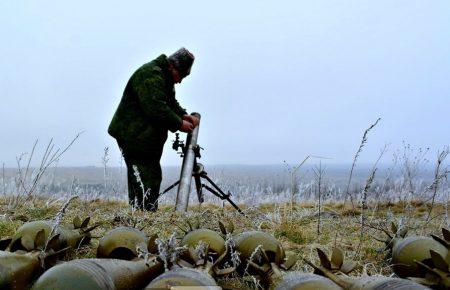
column 129, row 259
column 35, row 246
column 208, row 255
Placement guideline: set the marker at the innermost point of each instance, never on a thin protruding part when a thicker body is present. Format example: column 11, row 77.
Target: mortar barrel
column 187, row 168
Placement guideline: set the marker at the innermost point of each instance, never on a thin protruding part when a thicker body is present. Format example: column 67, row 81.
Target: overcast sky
column 274, row 80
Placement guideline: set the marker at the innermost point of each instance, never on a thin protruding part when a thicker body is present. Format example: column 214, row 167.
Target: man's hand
column 191, row 119
column 186, row 127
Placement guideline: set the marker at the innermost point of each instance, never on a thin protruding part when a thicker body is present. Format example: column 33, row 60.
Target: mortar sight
column 178, row 144
column 191, row 168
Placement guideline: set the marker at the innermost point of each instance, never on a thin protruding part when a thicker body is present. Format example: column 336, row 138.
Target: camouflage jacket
column 148, row 109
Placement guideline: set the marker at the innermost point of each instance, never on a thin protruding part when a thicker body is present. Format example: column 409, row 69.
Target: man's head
column 180, row 64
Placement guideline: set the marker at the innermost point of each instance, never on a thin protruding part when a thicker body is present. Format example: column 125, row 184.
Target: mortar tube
column 184, row 188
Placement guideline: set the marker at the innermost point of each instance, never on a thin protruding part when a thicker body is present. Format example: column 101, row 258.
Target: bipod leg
column 169, row 188
column 219, row 193
column 199, row 187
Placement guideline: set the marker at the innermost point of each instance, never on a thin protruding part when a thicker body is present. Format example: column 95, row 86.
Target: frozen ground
column 249, row 184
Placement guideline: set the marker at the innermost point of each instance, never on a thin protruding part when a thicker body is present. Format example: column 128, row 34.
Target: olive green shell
column 385, row 283
column 247, row 242
column 72, row 237
column 182, row 277
column 121, row 243
column 25, row 235
column 411, row 249
column 17, row 270
column 213, row 239
column 304, row 281
column 98, row 274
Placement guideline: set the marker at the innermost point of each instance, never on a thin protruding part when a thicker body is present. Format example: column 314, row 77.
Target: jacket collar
column 163, row 63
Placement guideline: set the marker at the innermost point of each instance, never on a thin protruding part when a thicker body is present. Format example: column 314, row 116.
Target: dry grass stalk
column 363, row 142
column 318, row 173
column 293, row 180
column 58, row 219
column 3, row 180
column 439, row 175
column 372, row 172
column 292, row 171
column 105, row 160
column 369, row 182
column 26, row 188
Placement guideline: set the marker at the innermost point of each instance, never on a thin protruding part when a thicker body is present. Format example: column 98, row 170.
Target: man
column 147, row 110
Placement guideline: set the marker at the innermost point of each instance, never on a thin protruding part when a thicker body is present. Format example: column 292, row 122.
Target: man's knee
column 144, row 181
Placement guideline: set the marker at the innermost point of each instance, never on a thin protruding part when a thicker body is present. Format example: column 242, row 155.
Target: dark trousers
column 144, row 179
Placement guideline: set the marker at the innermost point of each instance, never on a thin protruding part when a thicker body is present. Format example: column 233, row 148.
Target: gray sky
column 274, row 80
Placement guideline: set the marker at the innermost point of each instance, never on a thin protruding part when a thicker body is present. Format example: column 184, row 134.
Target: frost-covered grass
column 318, row 207
column 251, row 185
column 295, row 226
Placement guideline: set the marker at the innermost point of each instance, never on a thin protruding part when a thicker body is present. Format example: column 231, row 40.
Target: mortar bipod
column 199, row 173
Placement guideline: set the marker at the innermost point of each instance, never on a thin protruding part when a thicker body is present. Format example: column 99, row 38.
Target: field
column 320, row 206
column 299, row 226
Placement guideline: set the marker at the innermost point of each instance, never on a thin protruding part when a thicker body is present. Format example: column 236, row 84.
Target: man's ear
column 176, row 75
column 172, row 69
